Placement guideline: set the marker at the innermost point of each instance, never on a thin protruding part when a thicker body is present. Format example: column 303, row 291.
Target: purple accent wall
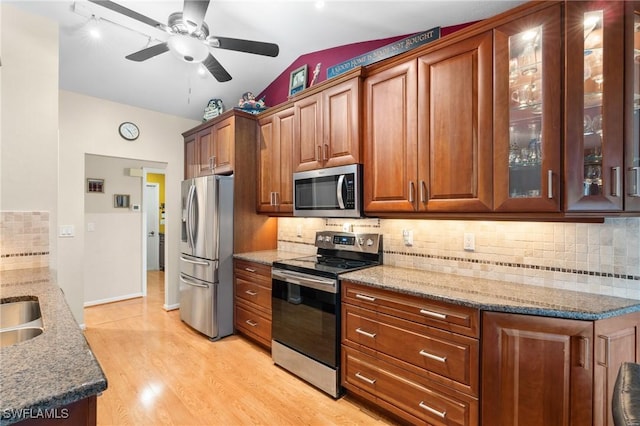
column 278, row 91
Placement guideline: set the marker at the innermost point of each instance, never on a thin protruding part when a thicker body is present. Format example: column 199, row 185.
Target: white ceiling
column 166, row 84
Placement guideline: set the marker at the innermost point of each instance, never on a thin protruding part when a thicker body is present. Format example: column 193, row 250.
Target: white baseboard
column 112, row 299
column 171, row 307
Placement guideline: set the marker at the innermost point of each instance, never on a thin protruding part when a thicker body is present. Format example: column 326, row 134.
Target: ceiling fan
column 189, row 37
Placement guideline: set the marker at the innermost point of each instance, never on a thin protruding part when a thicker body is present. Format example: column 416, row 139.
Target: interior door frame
column 143, row 235
column 145, row 212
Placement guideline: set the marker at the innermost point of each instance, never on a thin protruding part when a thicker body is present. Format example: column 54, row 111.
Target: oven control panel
column 349, row 241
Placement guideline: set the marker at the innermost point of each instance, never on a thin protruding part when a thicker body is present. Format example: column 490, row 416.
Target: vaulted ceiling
column 97, row 67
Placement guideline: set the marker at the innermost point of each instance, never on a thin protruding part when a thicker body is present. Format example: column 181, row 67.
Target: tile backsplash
column 601, row 258
column 24, row 240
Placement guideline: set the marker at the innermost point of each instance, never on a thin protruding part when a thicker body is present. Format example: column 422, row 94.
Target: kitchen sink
column 17, row 335
column 13, row 314
column 19, row 321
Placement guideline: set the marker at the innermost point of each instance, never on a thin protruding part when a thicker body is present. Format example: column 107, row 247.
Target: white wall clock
column 129, row 131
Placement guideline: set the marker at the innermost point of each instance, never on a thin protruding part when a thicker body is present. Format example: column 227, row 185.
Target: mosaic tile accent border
column 515, row 265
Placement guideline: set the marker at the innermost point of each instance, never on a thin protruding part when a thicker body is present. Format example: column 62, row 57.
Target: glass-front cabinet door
column 527, row 120
column 594, row 106
column 632, row 105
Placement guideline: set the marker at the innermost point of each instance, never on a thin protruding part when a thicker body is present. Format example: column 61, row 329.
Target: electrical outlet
column 299, row 231
column 407, row 237
column 66, row 231
column 469, row 241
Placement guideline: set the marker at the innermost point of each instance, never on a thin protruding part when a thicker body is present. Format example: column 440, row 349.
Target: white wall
column 29, row 120
column 90, row 126
column 113, row 267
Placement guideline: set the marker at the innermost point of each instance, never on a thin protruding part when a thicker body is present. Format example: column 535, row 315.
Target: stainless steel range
column 306, row 305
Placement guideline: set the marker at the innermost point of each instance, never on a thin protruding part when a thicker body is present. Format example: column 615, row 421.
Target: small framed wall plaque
column 298, row 80
column 121, row 201
column 95, row 185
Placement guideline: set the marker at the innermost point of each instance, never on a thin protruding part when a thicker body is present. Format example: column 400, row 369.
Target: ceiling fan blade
column 130, row 13
column 248, row 46
column 216, row 69
column 149, row 52
column 194, row 11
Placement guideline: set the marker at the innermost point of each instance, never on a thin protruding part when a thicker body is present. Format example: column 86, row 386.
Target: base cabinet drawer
column 253, row 293
column 444, row 353
column 252, row 323
column 419, row 401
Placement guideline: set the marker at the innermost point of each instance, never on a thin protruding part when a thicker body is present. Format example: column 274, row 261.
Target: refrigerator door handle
column 189, row 282
column 190, row 239
column 195, row 262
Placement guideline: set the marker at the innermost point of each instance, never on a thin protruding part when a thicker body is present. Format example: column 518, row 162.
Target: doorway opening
column 153, row 241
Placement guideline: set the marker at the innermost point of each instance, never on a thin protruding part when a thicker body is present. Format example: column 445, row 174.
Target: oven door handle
column 304, row 280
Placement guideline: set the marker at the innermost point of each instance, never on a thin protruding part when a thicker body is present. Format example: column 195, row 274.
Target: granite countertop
column 53, row 369
column 267, row 257
column 491, row 295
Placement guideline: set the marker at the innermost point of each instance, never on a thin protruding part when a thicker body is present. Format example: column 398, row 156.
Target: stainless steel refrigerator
column 206, row 255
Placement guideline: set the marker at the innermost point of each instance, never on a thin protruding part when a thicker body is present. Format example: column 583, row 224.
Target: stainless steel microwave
column 330, row 192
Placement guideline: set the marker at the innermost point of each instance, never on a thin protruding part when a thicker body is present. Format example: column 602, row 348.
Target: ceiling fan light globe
column 188, row 48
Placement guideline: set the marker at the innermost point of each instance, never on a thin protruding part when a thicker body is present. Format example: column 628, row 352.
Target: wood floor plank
column 162, row 372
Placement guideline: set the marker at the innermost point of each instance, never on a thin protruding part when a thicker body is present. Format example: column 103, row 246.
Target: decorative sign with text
column 385, row 52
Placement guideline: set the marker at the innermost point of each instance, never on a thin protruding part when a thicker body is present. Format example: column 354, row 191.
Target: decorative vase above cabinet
column 527, row 130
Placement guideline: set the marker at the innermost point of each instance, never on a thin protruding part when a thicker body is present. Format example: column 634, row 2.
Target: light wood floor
column 161, row 372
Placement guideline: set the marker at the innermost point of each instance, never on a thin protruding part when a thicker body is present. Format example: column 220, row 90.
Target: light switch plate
column 469, row 242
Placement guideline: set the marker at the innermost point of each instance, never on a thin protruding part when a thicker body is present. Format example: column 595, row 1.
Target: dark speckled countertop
column 493, row 295
column 267, row 257
column 53, row 369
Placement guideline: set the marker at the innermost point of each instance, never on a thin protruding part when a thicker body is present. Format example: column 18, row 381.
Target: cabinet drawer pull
column 319, row 157
column 326, row 152
column 635, row 183
column 433, row 314
column 252, row 323
column 365, row 297
column 616, row 185
column 251, row 292
column 432, row 356
column 366, row 333
column 249, row 270
column 366, row 379
column 411, row 191
column 441, row 414
column 423, row 191
column 607, row 350
column 550, row 184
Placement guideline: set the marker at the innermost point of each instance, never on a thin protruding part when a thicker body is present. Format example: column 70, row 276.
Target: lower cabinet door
column 405, row 394
column 536, row 370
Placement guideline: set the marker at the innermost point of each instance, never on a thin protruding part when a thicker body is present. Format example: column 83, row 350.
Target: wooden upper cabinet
column 632, row 106
column 528, row 113
column 594, row 106
column 455, row 129
column 428, row 132
column 223, row 147
column 205, row 149
column 275, row 175
column 536, row 371
column 190, row 157
column 308, row 144
column 327, row 127
column 210, row 148
column 390, row 139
